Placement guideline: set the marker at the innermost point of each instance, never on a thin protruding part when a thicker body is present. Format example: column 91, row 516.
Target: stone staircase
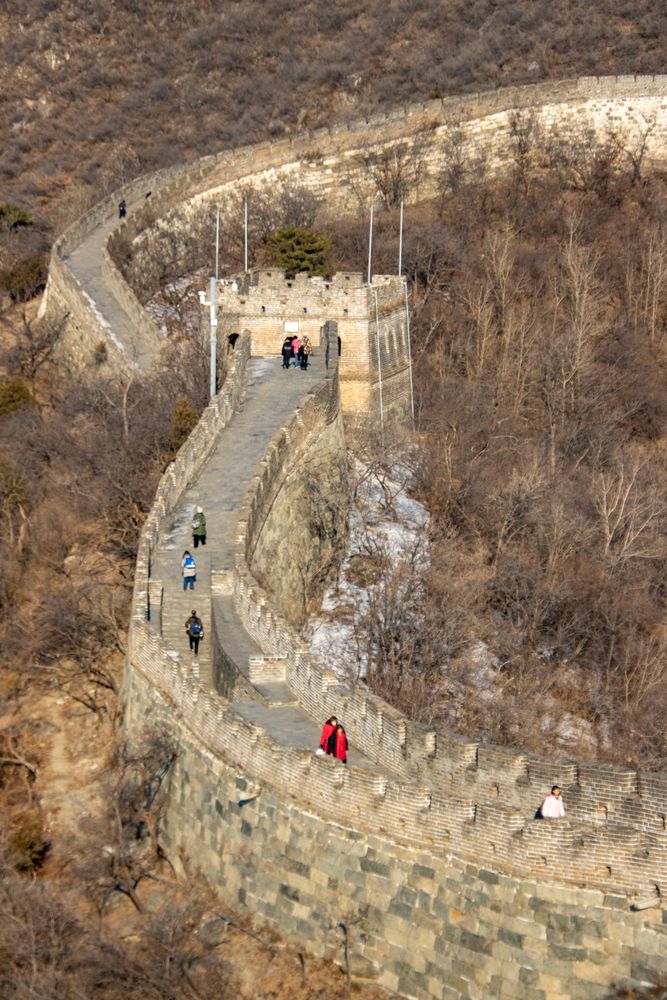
column 263, row 695
column 272, row 395
column 267, row 676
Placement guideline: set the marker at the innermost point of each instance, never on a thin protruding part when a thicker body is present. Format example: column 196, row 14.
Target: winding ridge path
column 86, row 264
column 432, row 855
column 272, row 395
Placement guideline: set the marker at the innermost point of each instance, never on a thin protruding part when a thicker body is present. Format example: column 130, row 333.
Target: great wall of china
column 425, row 847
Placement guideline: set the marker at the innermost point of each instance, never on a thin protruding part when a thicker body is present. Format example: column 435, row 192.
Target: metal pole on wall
column 217, row 242
column 407, row 331
column 370, row 245
column 377, row 345
column 245, row 233
column 400, row 241
column 213, row 314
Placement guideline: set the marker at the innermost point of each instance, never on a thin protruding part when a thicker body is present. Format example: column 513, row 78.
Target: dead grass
column 93, row 95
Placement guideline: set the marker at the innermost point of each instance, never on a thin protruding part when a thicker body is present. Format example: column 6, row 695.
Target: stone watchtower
column 367, row 327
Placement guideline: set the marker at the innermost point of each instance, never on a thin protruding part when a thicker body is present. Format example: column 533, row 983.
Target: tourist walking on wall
column 304, row 352
column 195, row 631
column 286, row 351
column 189, row 568
column 198, row 528
column 327, row 730
column 338, row 744
column 122, row 209
column 552, row 807
column 295, row 350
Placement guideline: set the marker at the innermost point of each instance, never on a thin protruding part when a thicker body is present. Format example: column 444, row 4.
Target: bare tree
column 646, row 286
column 122, row 847
column 463, row 163
column 636, row 151
column 34, row 342
column 524, row 136
column 396, row 170
column 632, row 512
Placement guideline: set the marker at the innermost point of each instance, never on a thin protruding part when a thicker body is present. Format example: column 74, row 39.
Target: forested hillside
column 540, row 348
column 539, row 320
column 90, row 92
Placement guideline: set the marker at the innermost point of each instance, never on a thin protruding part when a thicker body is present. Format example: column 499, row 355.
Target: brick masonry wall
column 312, row 502
column 449, row 887
column 371, row 322
column 421, row 922
column 453, row 792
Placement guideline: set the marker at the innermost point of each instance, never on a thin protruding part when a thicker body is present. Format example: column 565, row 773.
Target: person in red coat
column 327, row 729
column 338, row 744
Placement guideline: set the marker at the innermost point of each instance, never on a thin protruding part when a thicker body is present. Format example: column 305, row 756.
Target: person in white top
column 552, row 807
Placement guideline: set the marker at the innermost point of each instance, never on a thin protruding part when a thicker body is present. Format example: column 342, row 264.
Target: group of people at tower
column 296, row 351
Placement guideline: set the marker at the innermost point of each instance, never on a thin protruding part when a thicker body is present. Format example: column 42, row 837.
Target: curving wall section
column 328, row 161
column 432, row 859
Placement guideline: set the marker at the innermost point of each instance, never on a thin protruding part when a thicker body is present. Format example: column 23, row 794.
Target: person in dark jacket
column 195, row 631
column 286, row 352
column 122, row 209
column 304, row 352
column 327, row 729
column 338, row 744
column 198, row 528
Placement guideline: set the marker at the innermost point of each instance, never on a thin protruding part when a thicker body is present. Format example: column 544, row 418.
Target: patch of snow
column 386, row 526
column 576, row 731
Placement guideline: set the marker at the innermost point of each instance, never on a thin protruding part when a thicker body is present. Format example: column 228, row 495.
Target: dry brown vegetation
column 108, row 917
column 91, row 93
column 540, row 345
column 90, row 903
column 539, row 326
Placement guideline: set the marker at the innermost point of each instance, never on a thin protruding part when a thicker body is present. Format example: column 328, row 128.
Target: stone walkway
column 272, row 395
column 85, row 262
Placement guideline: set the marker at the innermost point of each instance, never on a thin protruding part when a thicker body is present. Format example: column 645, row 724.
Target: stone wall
column 265, row 300
column 329, row 162
column 297, row 515
column 448, row 791
column 448, row 886
column 370, row 320
column 422, row 921
column 190, row 460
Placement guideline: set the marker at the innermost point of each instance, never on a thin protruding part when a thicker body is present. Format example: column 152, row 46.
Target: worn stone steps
column 266, row 669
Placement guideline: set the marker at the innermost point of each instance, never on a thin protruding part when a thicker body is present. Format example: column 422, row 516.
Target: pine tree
column 297, row 250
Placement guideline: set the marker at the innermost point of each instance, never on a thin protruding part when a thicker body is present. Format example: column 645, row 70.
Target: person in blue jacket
column 189, row 569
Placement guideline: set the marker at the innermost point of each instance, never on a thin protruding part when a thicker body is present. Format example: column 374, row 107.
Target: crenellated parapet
column 451, row 791
column 361, row 327
column 429, row 851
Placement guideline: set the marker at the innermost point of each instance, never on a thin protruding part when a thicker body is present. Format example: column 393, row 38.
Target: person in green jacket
column 198, row 528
